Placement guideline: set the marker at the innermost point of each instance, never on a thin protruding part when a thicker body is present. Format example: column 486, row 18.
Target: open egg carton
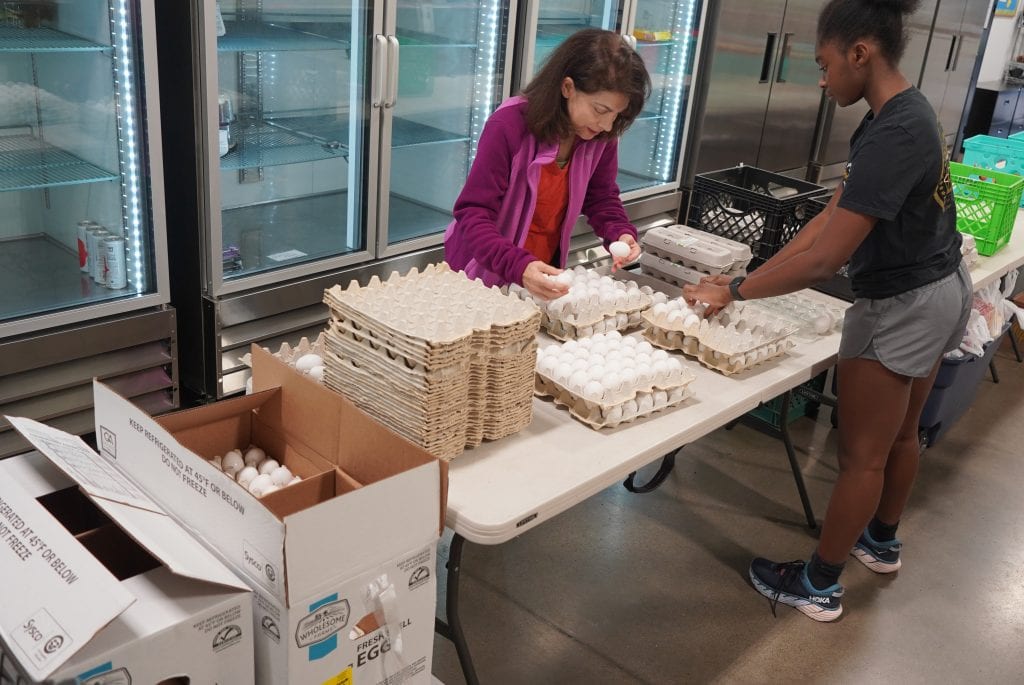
column 698, row 250
column 307, row 358
column 608, row 379
column 733, row 340
column 811, row 317
column 594, row 304
column 442, row 360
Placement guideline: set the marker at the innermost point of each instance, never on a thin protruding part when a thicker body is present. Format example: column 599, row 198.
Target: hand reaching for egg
column 545, row 281
column 715, row 296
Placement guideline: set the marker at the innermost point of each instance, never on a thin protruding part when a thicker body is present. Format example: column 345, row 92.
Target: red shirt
column 552, row 201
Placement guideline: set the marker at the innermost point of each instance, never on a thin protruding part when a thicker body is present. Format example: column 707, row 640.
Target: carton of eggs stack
column 609, row 379
column 594, row 304
column 254, row 471
column 441, row 360
column 733, row 340
column 679, row 254
column 307, row 358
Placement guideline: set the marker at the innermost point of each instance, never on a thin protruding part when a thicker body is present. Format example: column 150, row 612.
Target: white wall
column 997, row 52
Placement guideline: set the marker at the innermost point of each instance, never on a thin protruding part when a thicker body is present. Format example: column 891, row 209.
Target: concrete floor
column 653, row 588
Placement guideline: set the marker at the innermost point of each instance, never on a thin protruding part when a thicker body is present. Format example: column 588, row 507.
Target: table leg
column 1013, row 344
column 451, row 628
column 793, row 465
column 668, row 462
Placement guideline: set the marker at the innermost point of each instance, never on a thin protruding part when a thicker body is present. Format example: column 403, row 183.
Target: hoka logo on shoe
column 820, row 600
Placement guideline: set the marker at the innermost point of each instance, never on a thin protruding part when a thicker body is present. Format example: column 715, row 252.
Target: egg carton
column 811, row 317
column 598, row 415
column 736, row 329
column 697, row 249
column 668, row 271
column 717, row 360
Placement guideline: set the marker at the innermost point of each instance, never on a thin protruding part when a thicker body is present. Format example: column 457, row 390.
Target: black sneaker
column 788, row 583
column 880, row 557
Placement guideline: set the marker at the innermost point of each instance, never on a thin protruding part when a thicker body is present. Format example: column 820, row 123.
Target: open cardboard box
column 341, row 563
column 100, row 590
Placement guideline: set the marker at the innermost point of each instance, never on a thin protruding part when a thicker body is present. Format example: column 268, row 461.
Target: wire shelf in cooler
column 250, row 36
column 21, row 39
column 27, row 163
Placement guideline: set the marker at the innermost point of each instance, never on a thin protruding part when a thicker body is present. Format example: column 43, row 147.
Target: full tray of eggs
column 594, row 304
column 609, row 379
column 733, row 340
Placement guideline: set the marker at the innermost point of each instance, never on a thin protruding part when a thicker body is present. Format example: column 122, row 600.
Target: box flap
column 55, row 595
column 119, row 498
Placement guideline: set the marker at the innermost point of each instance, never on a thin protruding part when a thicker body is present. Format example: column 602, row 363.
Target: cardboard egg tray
column 599, row 415
column 289, row 354
column 561, row 329
column 451, row 371
column 698, row 250
column 723, row 362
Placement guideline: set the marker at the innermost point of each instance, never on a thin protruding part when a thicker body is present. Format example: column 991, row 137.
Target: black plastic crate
column 749, row 205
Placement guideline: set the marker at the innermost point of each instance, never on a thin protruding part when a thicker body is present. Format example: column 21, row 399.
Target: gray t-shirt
column 899, row 173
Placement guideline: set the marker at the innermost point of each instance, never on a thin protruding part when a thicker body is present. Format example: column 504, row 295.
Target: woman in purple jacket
column 544, row 157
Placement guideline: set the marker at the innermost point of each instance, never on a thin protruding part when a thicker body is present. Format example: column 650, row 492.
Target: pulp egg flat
column 645, row 403
column 614, row 414
column 267, row 466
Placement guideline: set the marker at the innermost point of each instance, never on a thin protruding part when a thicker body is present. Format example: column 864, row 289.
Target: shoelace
column 788, row 572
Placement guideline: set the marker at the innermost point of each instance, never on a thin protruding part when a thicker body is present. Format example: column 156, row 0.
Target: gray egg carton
column 697, row 249
column 668, row 271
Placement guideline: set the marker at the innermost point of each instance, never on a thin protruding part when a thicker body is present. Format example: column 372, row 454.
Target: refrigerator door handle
column 392, row 96
column 769, row 58
column 959, row 46
column 780, row 74
column 378, row 69
column 952, row 54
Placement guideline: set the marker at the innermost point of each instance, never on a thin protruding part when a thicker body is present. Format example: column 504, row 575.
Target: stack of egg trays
column 565, row 326
column 679, row 254
column 424, row 388
column 599, row 414
column 704, row 340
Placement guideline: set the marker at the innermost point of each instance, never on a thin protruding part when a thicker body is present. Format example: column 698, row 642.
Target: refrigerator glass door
column 557, row 19
column 77, row 238
column 445, row 75
column 292, row 132
column 666, row 38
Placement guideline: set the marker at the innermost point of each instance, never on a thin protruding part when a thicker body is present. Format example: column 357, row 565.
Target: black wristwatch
column 734, row 288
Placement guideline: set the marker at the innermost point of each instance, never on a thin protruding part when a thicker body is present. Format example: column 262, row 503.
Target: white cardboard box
column 341, row 564
column 67, row 616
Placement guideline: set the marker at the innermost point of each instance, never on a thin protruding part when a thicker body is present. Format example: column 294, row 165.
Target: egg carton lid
column 692, row 250
column 741, row 252
column 592, row 414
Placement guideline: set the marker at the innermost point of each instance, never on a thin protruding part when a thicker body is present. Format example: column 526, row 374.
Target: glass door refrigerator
column 330, row 139
column 666, row 34
column 83, row 271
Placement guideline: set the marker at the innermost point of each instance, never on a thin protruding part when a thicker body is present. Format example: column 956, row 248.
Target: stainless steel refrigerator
column 331, row 139
column 83, row 263
column 666, row 34
column 763, row 97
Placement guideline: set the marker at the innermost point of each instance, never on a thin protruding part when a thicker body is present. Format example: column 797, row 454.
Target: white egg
column 659, row 310
column 673, row 317
column 614, row 414
column 294, row 480
column 822, row 324
column 232, row 463
column 547, row 366
column 606, row 280
column 599, row 347
column 612, row 335
column 307, row 362
column 645, row 403
column 597, row 372
column 269, row 489
column 612, row 381
column 564, row 278
column 629, row 409
column 644, row 377
column 562, row 373
column 593, row 390
column 570, row 346
column 659, row 355
column 661, row 372
column 578, row 381
column 585, row 343
column 580, row 364
column 246, row 475
column 629, row 377
column 596, row 360
column 660, row 398
column 691, row 321
column 317, row 373
column 643, row 359
column 566, row 358
column 619, row 249
column 281, row 476
column 629, row 341
column 254, row 455
column 606, row 300
column 553, row 351
column 259, row 484
column 267, row 466
column 644, row 346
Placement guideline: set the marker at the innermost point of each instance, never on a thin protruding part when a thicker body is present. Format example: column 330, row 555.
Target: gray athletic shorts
column 908, row 332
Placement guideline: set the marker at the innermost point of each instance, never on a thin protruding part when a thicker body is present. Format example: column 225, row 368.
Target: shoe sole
column 874, row 563
column 808, row 609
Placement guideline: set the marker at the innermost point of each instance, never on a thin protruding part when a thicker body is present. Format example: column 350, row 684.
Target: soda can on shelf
column 93, row 245
column 115, row 262
column 83, row 248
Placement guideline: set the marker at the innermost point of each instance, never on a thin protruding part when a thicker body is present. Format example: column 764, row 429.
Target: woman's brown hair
column 595, row 60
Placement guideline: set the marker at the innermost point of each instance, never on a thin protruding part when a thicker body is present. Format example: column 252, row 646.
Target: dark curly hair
column 846, row 21
column 595, row 60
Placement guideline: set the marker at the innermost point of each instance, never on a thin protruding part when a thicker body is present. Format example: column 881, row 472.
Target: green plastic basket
column 996, row 154
column 986, row 204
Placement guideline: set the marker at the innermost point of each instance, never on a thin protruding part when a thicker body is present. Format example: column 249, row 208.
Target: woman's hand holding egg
column 542, row 280
column 623, row 251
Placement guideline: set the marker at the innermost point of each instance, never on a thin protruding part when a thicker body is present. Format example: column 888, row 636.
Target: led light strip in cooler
column 486, row 60
column 119, row 20
column 681, row 31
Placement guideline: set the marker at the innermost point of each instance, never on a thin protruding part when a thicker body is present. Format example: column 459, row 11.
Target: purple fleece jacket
column 494, row 209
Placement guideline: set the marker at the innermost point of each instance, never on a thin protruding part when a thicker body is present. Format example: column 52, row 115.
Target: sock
column 882, row 532
column 821, row 574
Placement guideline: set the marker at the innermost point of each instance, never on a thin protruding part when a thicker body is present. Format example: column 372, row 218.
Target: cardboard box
column 100, row 586
column 342, row 563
